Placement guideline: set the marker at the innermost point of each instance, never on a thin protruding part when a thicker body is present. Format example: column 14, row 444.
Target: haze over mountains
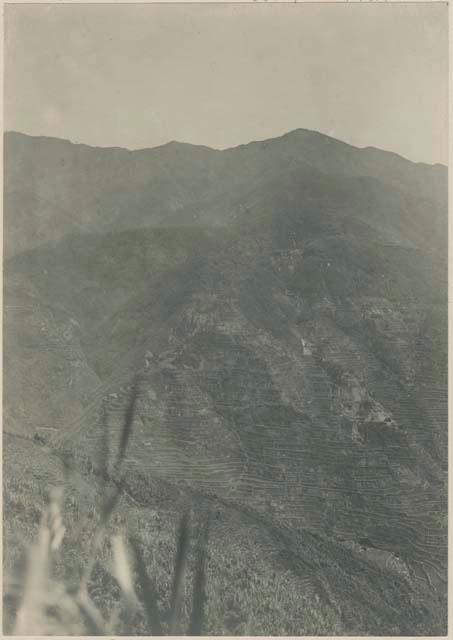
column 75, row 188
column 285, row 304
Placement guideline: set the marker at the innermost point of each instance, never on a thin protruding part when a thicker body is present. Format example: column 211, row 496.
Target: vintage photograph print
column 225, row 319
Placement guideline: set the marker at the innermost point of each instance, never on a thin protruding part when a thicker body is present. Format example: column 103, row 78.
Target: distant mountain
column 53, row 188
column 285, row 304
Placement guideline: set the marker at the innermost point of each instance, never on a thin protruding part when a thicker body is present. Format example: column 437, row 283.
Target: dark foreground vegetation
column 41, row 601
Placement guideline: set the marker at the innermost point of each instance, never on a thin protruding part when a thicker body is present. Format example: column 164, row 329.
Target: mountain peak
column 311, row 137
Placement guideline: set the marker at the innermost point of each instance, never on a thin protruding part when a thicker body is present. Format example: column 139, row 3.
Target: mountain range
column 284, row 305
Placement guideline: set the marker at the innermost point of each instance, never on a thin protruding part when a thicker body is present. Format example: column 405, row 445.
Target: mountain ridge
column 53, row 187
column 292, row 132
column 284, row 307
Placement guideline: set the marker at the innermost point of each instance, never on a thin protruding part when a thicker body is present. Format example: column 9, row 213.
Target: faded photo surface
column 225, row 319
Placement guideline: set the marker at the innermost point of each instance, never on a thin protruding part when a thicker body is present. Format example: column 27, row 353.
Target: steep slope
column 293, row 370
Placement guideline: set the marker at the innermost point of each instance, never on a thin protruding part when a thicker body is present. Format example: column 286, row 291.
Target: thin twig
column 199, row 597
column 182, row 549
column 149, row 591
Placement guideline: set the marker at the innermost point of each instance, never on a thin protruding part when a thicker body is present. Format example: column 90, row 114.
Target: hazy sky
column 221, row 75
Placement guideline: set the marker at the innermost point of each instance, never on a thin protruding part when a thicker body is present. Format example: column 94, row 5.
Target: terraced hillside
column 284, row 306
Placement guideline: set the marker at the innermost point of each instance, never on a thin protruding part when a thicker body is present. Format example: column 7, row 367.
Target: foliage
column 49, row 604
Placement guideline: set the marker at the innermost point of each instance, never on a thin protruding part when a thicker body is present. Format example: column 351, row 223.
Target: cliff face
column 285, row 306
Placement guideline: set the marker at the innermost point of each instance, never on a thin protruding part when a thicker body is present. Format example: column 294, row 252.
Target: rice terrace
column 224, row 360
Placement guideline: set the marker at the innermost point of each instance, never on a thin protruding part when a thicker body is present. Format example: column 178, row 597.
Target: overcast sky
column 221, row 75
